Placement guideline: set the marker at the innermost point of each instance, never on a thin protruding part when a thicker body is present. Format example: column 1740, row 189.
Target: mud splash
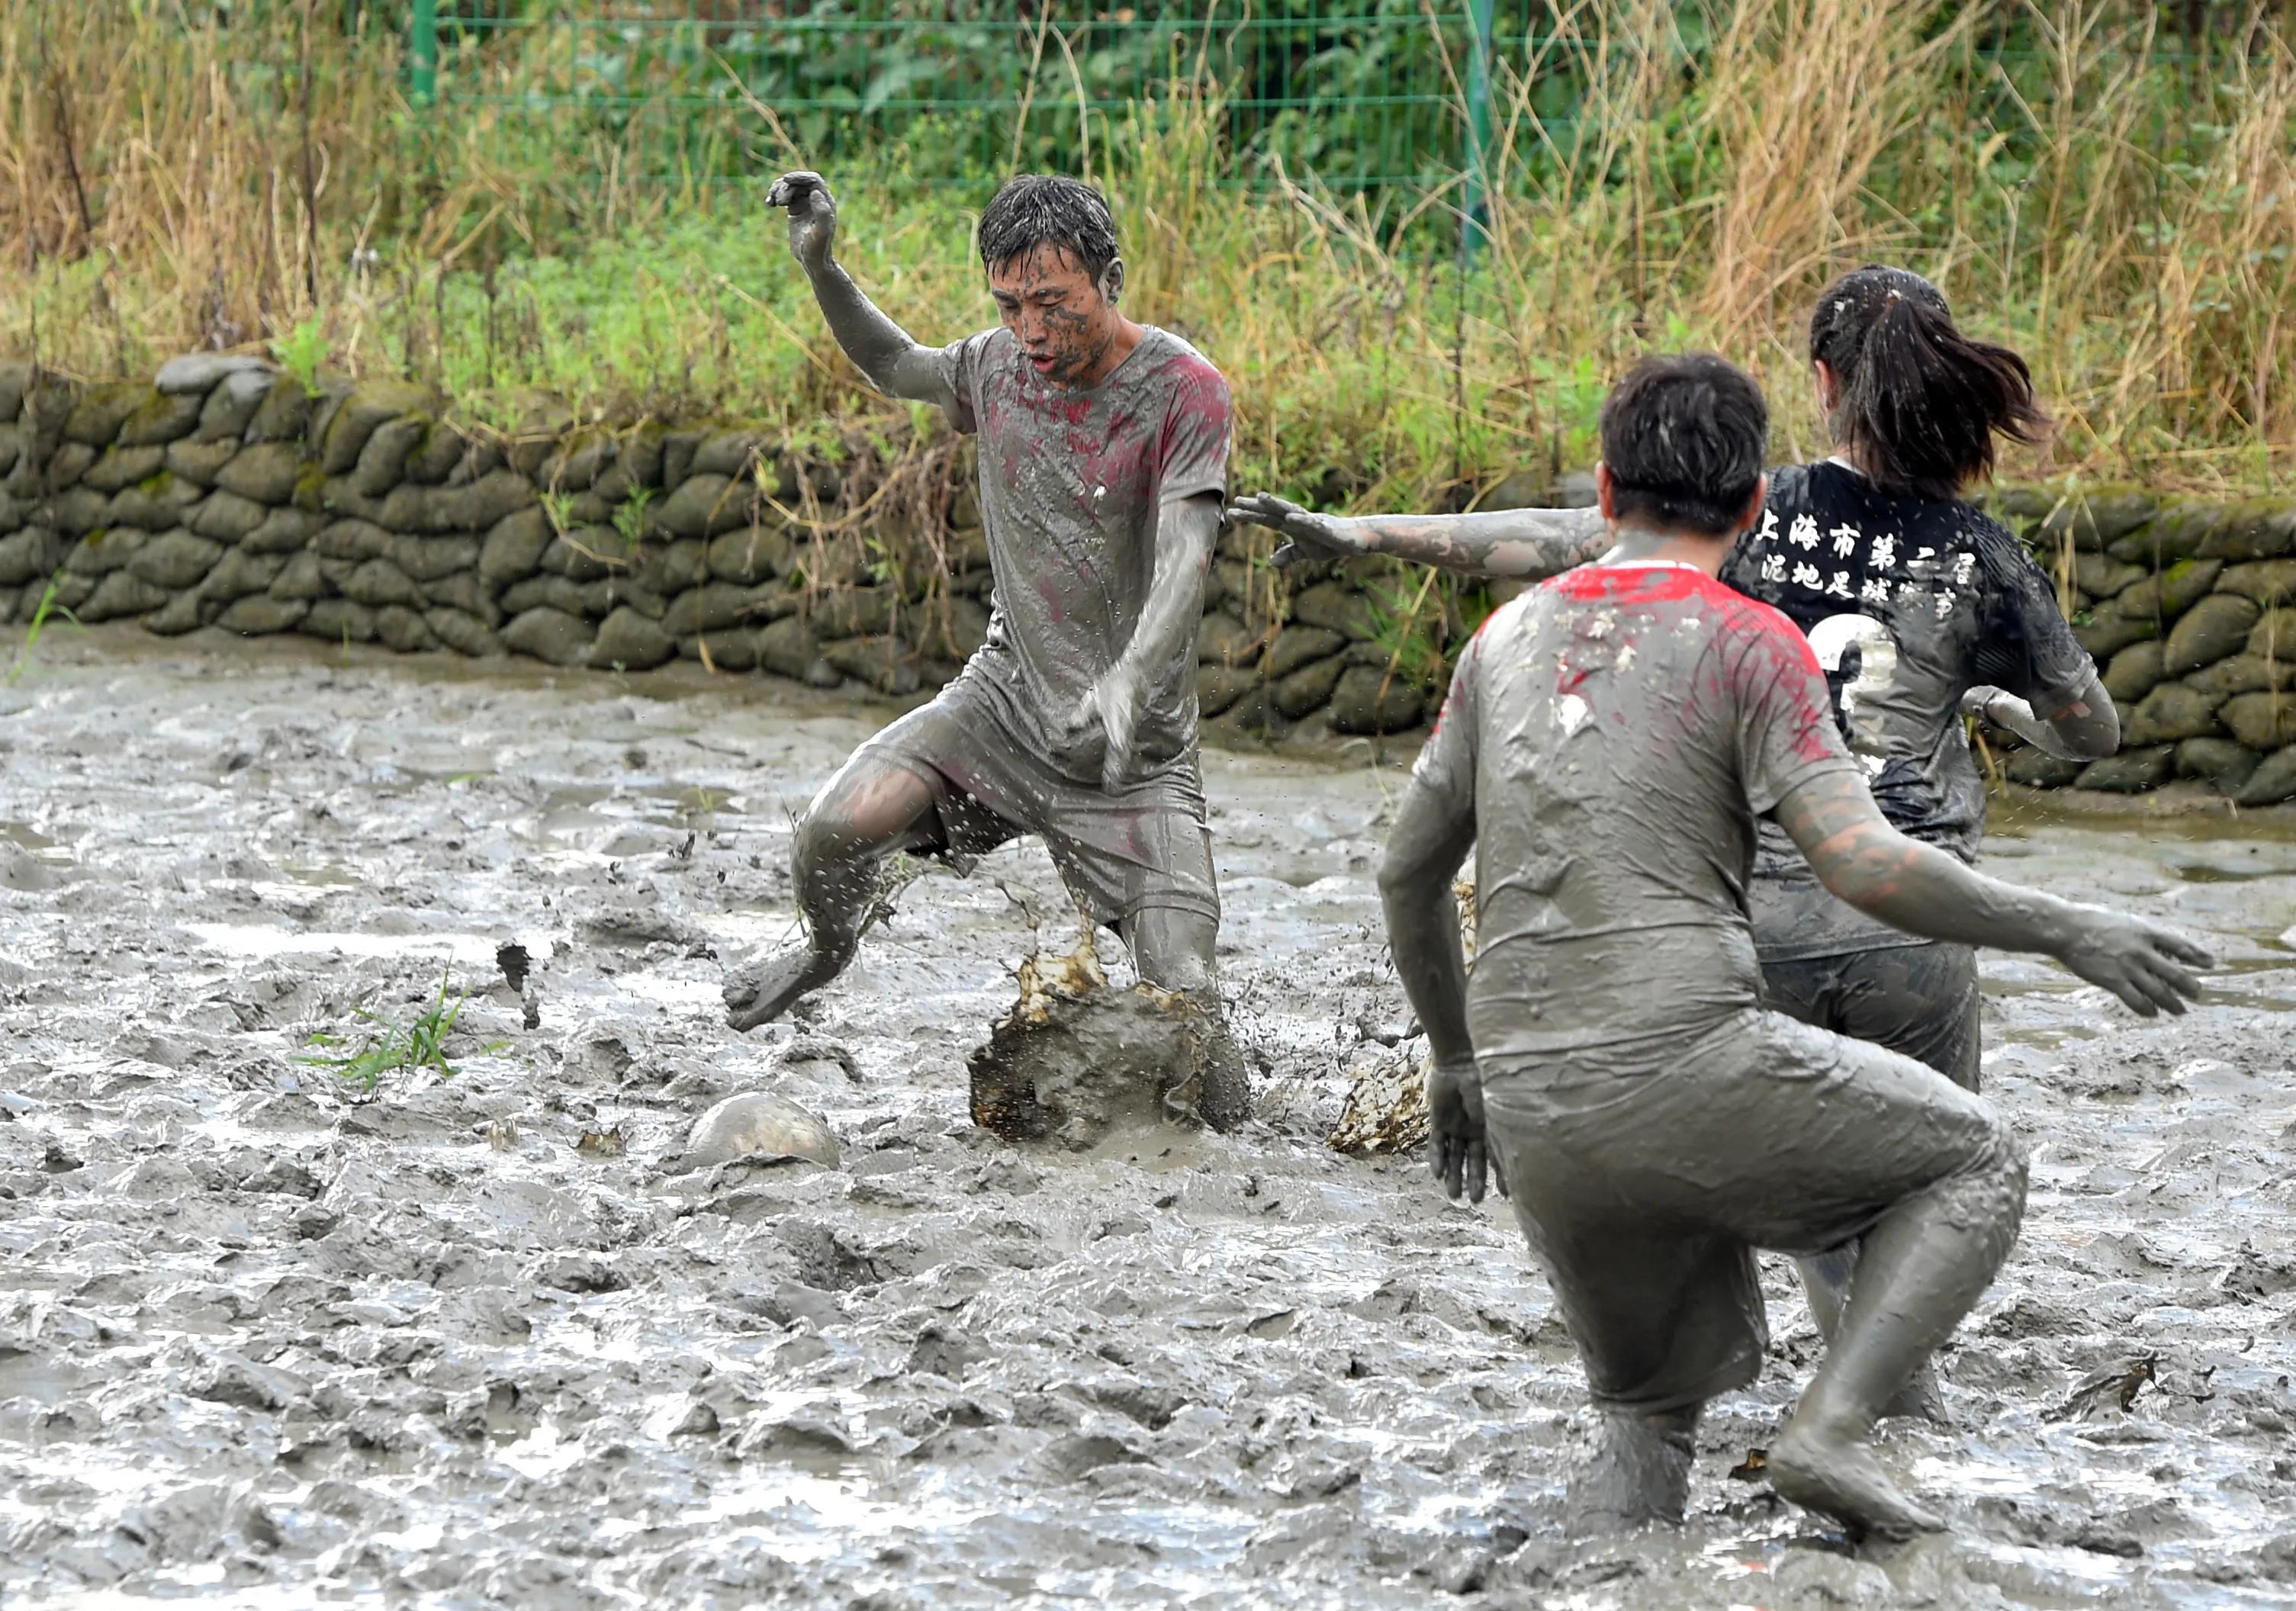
column 263, row 1345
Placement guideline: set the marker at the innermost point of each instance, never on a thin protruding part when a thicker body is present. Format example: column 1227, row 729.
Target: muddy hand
column 1306, row 535
column 1114, row 706
column 813, row 215
column 1456, row 1150
column 2148, row 966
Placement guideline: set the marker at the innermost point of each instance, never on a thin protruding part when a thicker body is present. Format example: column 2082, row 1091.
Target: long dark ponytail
column 1919, row 402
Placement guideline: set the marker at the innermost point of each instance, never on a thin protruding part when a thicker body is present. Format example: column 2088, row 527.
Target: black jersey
column 1910, row 602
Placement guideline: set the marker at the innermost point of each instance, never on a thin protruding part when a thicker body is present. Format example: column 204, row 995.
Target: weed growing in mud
column 393, row 1046
column 47, row 607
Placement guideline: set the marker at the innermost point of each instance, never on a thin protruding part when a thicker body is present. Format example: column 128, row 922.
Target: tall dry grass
column 2126, row 221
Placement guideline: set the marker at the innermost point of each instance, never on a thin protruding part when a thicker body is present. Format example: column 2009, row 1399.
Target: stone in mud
column 404, row 630
column 2274, row 636
column 551, row 635
column 750, row 556
column 284, row 414
column 377, row 582
column 703, row 506
column 121, row 593
column 2243, row 674
column 513, row 547
column 184, row 612
column 101, row 553
column 2267, row 581
column 2262, row 528
column 721, row 650
column 225, row 516
column 2172, row 590
column 548, row 593
column 1310, row 687
column 283, row 531
column 855, row 612
column 382, row 462
column 201, row 371
column 197, row 462
column 2133, row 672
column 465, row 592
column 2273, row 781
column 758, row 1126
column 1297, row 646
column 1219, row 688
column 2095, row 519
column 884, row 663
column 300, row 577
column 1369, row 701
column 428, row 559
column 239, row 573
column 155, row 506
column 96, row 418
column 2263, row 721
column 1074, row 1058
column 712, row 608
column 2223, row 765
column 950, row 627
column 670, row 568
column 175, row 560
column 2099, row 576
column 2108, row 631
column 231, row 409
column 2171, row 712
column 78, row 510
column 362, row 411
column 117, row 468
column 262, row 614
column 2215, row 626
column 2130, row 772
column 788, row 648
column 26, row 556
column 266, row 472
column 1337, row 608
column 1222, row 640
column 15, row 380
column 340, row 620
column 159, row 419
column 585, row 554
column 462, row 631
column 2040, row 770
column 436, row 457
column 628, row 640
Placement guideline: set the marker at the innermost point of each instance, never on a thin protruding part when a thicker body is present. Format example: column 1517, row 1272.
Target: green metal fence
column 1365, row 94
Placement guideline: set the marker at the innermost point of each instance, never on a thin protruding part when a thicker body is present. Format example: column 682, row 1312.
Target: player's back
column 1621, row 728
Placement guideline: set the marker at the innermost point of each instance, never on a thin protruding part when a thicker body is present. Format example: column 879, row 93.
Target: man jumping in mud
column 1103, row 459
column 1610, row 742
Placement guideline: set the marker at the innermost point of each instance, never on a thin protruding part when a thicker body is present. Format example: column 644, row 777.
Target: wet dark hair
column 1047, row 210
column 1920, row 401
column 1683, row 437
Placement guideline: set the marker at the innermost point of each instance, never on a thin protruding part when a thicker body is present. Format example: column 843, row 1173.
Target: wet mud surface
column 483, row 1341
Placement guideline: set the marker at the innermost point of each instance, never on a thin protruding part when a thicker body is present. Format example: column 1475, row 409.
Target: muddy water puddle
column 263, row 1346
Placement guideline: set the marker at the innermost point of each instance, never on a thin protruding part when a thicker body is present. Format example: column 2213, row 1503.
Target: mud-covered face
column 1065, row 319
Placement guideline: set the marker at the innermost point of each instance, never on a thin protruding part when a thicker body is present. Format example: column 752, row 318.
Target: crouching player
column 1611, row 740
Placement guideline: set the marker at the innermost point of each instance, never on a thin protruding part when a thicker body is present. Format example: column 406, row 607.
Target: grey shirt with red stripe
column 1072, row 484
column 1616, row 733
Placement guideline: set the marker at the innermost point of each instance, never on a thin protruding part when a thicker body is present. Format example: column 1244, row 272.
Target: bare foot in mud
column 1639, row 1473
column 1838, row 1476
column 766, row 989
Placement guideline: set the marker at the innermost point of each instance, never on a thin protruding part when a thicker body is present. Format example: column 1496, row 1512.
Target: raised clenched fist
column 812, row 217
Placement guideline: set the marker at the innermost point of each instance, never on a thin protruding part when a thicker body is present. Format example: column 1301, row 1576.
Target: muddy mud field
column 483, row 1341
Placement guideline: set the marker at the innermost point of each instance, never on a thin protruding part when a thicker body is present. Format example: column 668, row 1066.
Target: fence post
column 1479, row 125
column 422, row 52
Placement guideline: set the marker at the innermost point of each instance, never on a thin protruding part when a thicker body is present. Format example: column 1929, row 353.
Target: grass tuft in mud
column 391, row 1047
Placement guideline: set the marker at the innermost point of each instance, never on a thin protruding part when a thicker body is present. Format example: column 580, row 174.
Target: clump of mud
column 1076, row 1059
column 1386, row 1110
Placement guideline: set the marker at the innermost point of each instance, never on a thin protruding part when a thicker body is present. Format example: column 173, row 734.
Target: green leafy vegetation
column 390, row 1046
column 46, row 609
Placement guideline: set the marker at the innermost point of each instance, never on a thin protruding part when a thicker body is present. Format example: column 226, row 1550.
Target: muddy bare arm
column 894, row 364
column 2086, row 729
column 1920, row 889
column 1185, row 531
column 1523, row 543
column 1431, row 838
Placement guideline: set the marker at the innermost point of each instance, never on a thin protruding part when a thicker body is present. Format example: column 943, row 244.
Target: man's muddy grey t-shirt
column 1617, row 731
column 1909, row 603
column 1071, row 485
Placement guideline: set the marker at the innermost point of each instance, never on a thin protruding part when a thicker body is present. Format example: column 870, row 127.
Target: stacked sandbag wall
column 2189, row 608
column 228, row 495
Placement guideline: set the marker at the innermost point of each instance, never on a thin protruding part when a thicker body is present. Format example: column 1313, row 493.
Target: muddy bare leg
column 868, row 811
column 1640, row 1472
column 1174, row 949
column 1920, row 1269
column 1825, row 1279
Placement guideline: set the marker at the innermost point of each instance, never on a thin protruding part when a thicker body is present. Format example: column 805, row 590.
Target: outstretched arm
column 1431, row 837
column 1185, row 531
column 2086, row 729
column 1920, row 889
column 1525, row 543
column 879, row 348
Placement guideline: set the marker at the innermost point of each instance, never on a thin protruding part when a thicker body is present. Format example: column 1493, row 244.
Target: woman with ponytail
column 1920, row 606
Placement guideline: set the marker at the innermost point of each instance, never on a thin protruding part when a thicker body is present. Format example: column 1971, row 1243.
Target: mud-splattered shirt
column 1909, row 603
column 1615, row 733
column 1072, row 482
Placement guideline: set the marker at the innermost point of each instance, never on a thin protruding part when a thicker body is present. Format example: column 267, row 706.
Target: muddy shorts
column 1645, row 1186
column 1919, row 1000
column 1144, row 846
column 1828, row 963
